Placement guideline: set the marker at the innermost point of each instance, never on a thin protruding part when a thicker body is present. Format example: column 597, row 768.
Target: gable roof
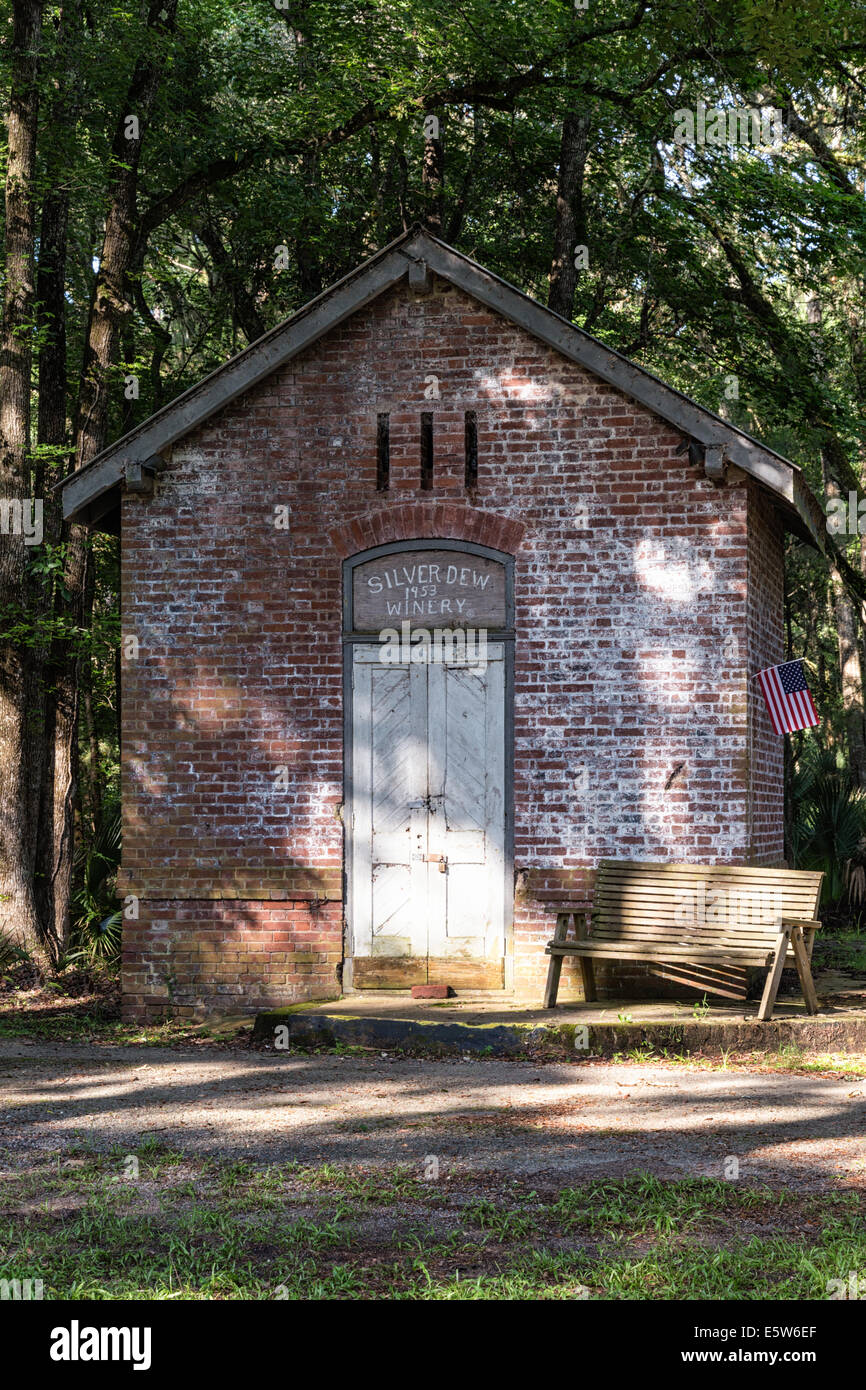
column 92, row 492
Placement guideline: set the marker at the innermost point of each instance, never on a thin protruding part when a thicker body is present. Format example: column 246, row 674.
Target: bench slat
column 677, row 879
column 760, row 931
column 612, row 951
column 741, row 902
column 673, row 922
column 663, row 869
column 664, row 948
column 671, row 892
column 714, row 893
column 691, row 949
column 627, row 944
column 724, row 872
column 748, row 943
column 671, row 912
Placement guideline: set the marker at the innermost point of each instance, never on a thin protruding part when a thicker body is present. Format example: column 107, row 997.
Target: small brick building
column 425, row 445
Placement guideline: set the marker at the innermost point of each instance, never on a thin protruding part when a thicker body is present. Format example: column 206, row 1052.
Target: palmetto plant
column 11, row 953
column 96, row 917
column 828, row 824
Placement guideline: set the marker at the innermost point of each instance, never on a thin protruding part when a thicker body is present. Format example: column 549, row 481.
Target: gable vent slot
column 471, row 446
column 427, row 450
column 383, row 453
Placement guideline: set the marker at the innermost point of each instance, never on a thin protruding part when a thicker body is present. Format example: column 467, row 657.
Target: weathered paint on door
column 428, row 821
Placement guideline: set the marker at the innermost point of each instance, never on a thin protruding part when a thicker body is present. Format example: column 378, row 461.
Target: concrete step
column 557, row 1035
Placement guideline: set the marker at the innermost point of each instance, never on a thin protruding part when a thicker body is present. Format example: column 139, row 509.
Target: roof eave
column 92, row 492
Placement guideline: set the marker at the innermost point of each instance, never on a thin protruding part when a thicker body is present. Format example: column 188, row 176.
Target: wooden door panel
column 466, row 761
column 427, row 784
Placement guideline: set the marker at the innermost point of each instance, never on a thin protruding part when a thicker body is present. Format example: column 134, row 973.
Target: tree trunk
column 458, row 210
column 851, row 674
column 54, row 841
column 110, row 305
column 306, row 255
column 18, row 798
column 569, row 230
column 243, row 303
column 108, row 310
column 51, row 297
column 850, row 668
column 53, row 850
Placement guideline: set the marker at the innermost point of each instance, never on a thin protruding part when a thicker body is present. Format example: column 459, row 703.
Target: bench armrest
column 804, row 922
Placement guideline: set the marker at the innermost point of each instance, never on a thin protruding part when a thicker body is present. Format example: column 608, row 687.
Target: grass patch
column 787, row 1057
column 201, row 1228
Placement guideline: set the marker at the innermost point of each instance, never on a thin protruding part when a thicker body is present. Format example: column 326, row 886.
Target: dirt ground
column 576, row 1122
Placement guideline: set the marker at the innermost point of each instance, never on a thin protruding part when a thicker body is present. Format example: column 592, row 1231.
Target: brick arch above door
column 427, row 520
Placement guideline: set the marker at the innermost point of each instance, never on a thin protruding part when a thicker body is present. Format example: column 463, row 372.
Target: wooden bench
column 693, row 914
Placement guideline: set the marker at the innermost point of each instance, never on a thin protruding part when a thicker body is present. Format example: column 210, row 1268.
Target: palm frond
column 828, row 829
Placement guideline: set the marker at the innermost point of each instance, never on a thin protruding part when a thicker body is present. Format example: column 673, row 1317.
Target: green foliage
column 829, row 822
column 97, row 920
column 11, row 954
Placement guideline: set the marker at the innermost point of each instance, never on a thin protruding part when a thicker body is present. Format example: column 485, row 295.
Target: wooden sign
column 430, row 588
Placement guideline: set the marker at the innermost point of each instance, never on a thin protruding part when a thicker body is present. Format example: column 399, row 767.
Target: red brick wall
column 188, row 958
column 631, row 571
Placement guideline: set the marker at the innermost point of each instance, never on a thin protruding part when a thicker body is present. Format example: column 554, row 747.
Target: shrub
column 828, row 823
column 96, row 917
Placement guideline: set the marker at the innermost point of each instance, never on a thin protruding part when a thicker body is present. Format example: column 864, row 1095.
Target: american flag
column 788, row 699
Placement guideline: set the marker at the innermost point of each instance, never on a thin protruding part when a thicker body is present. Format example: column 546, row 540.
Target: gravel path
column 574, row 1121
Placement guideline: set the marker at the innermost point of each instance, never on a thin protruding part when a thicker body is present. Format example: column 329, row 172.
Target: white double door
column 428, row 808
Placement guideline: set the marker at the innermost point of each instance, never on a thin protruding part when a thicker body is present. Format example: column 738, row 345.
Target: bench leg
column 587, row 970
column 554, row 970
column 551, row 989
column 804, row 970
column 774, row 975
